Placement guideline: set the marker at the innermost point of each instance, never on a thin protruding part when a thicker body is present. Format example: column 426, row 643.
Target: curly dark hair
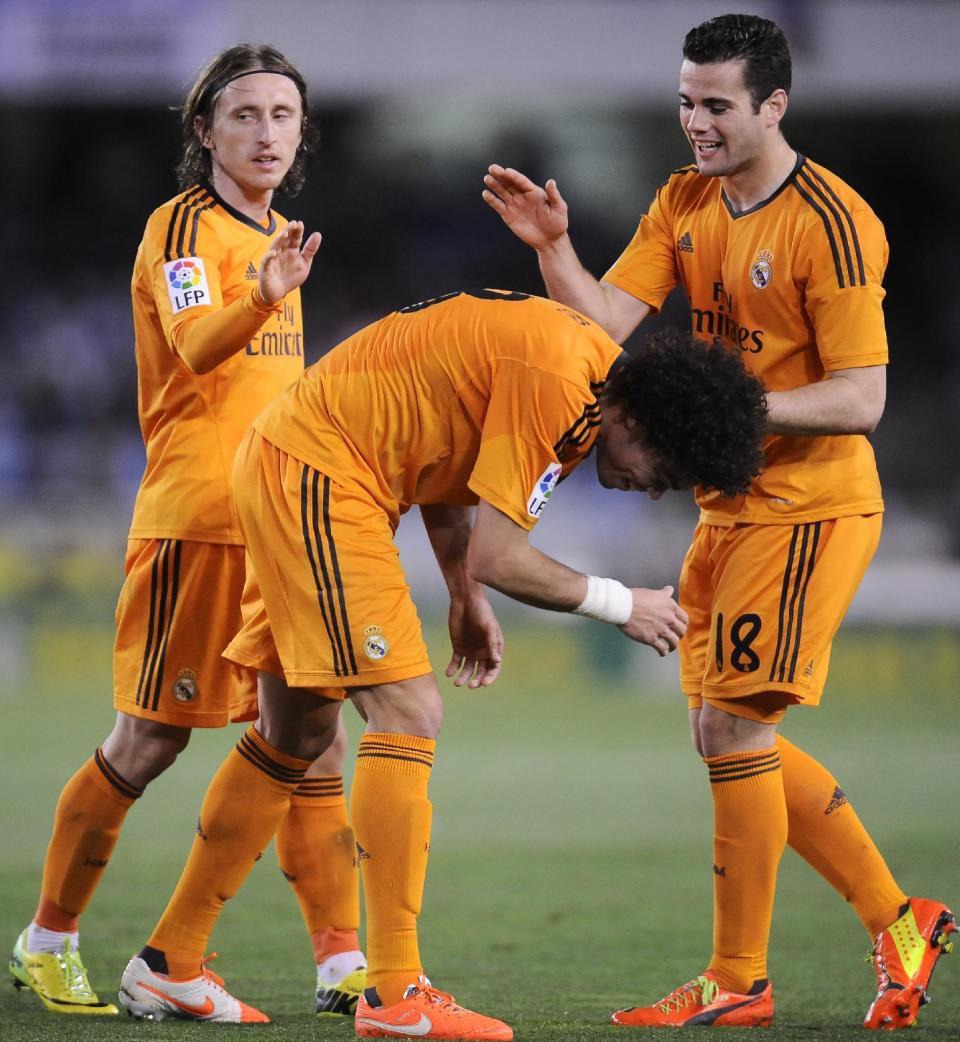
column 760, row 43
column 699, row 406
column 195, row 162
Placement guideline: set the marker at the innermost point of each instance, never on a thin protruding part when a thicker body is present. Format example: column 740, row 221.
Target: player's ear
column 776, row 106
column 203, row 134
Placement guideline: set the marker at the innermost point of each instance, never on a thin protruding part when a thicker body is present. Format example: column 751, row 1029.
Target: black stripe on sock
column 251, row 752
column 116, row 780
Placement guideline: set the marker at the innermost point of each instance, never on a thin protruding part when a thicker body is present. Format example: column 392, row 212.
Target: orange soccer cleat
column 904, row 956
column 424, row 1012
column 702, row 1002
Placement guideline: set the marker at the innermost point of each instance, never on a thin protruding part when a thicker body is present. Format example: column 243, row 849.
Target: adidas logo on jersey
column 251, row 272
column 685, row 243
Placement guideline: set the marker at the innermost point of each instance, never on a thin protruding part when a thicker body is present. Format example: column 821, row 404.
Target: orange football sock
column 86, row 825
column 317, row 854
column 391, row 818
column 825, row 831
column 750, row 832
column 242, row 809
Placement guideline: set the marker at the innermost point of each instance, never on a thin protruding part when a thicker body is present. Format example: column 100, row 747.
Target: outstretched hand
column 286, row 264
column 657, row 620
column 536, row 215
column 477, row 642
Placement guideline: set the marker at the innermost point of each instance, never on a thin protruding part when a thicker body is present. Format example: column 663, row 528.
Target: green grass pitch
column 571, row 867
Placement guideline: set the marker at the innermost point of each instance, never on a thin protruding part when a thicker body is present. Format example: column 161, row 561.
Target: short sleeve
column 843, row 265
column 538, row 426
column 647, row 268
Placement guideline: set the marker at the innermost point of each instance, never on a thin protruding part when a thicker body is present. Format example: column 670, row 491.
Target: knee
column 301, row 725
column 715, row 732
column 141, row 750
column 420, row 715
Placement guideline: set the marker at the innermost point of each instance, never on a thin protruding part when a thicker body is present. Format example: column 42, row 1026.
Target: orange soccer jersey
column 199, row 255
column 795, row 284
column 493, row 395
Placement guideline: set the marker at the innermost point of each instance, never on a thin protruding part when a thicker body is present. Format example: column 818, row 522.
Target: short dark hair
column 195, row 164
column 699, row 406
column 760, row 43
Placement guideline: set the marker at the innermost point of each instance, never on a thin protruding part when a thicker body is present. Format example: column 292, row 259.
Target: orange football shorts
column 178, row 608
column 328, row 606
column 764, row 603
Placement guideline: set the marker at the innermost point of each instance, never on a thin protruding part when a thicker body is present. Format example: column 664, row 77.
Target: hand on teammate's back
column 657, row 620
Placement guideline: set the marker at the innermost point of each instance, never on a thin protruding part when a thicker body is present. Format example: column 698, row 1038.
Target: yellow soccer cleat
column 58, row 978
column 340, row 999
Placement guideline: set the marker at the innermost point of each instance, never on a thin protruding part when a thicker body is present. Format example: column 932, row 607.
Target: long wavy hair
column 196, row 115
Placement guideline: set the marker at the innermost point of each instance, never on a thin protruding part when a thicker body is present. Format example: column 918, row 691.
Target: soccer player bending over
column 784, row 262
column 216, row 308
column 486, row 399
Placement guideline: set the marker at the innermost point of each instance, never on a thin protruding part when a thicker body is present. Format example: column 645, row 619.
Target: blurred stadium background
column 413, row 99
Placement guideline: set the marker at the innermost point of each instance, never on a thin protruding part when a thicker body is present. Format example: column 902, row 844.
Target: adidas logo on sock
column 837, row 800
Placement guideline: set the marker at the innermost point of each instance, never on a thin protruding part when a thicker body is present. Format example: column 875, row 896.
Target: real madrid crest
column 185, row 686
column 375, row 644
column 761, row 271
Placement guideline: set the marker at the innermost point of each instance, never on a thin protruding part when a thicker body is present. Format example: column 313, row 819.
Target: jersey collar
column 238, row 215
column 791, row 177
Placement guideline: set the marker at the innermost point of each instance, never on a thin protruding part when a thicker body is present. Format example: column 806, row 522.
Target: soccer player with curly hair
column 486, row 398
column 783, row 262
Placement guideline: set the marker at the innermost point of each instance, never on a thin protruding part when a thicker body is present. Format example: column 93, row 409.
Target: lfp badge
column 543, row 490
column 186, row 283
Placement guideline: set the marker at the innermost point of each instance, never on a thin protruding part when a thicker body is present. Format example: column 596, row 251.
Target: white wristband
column 606, row 600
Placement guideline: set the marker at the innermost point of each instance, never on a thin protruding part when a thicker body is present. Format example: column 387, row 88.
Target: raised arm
column 501, row 556
column 206, row 342
column 538, row 216
column 849, row 401
column 475, row 636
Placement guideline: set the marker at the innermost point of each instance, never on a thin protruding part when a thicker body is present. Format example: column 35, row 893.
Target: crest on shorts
column 761, row 271
column 185, row 686
column 375, row 644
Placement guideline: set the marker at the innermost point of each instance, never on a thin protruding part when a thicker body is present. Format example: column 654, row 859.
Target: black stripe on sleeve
column 831, row 238
column 862, row 277
column 184, row 200
column 818, row 191
column 195, row 228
